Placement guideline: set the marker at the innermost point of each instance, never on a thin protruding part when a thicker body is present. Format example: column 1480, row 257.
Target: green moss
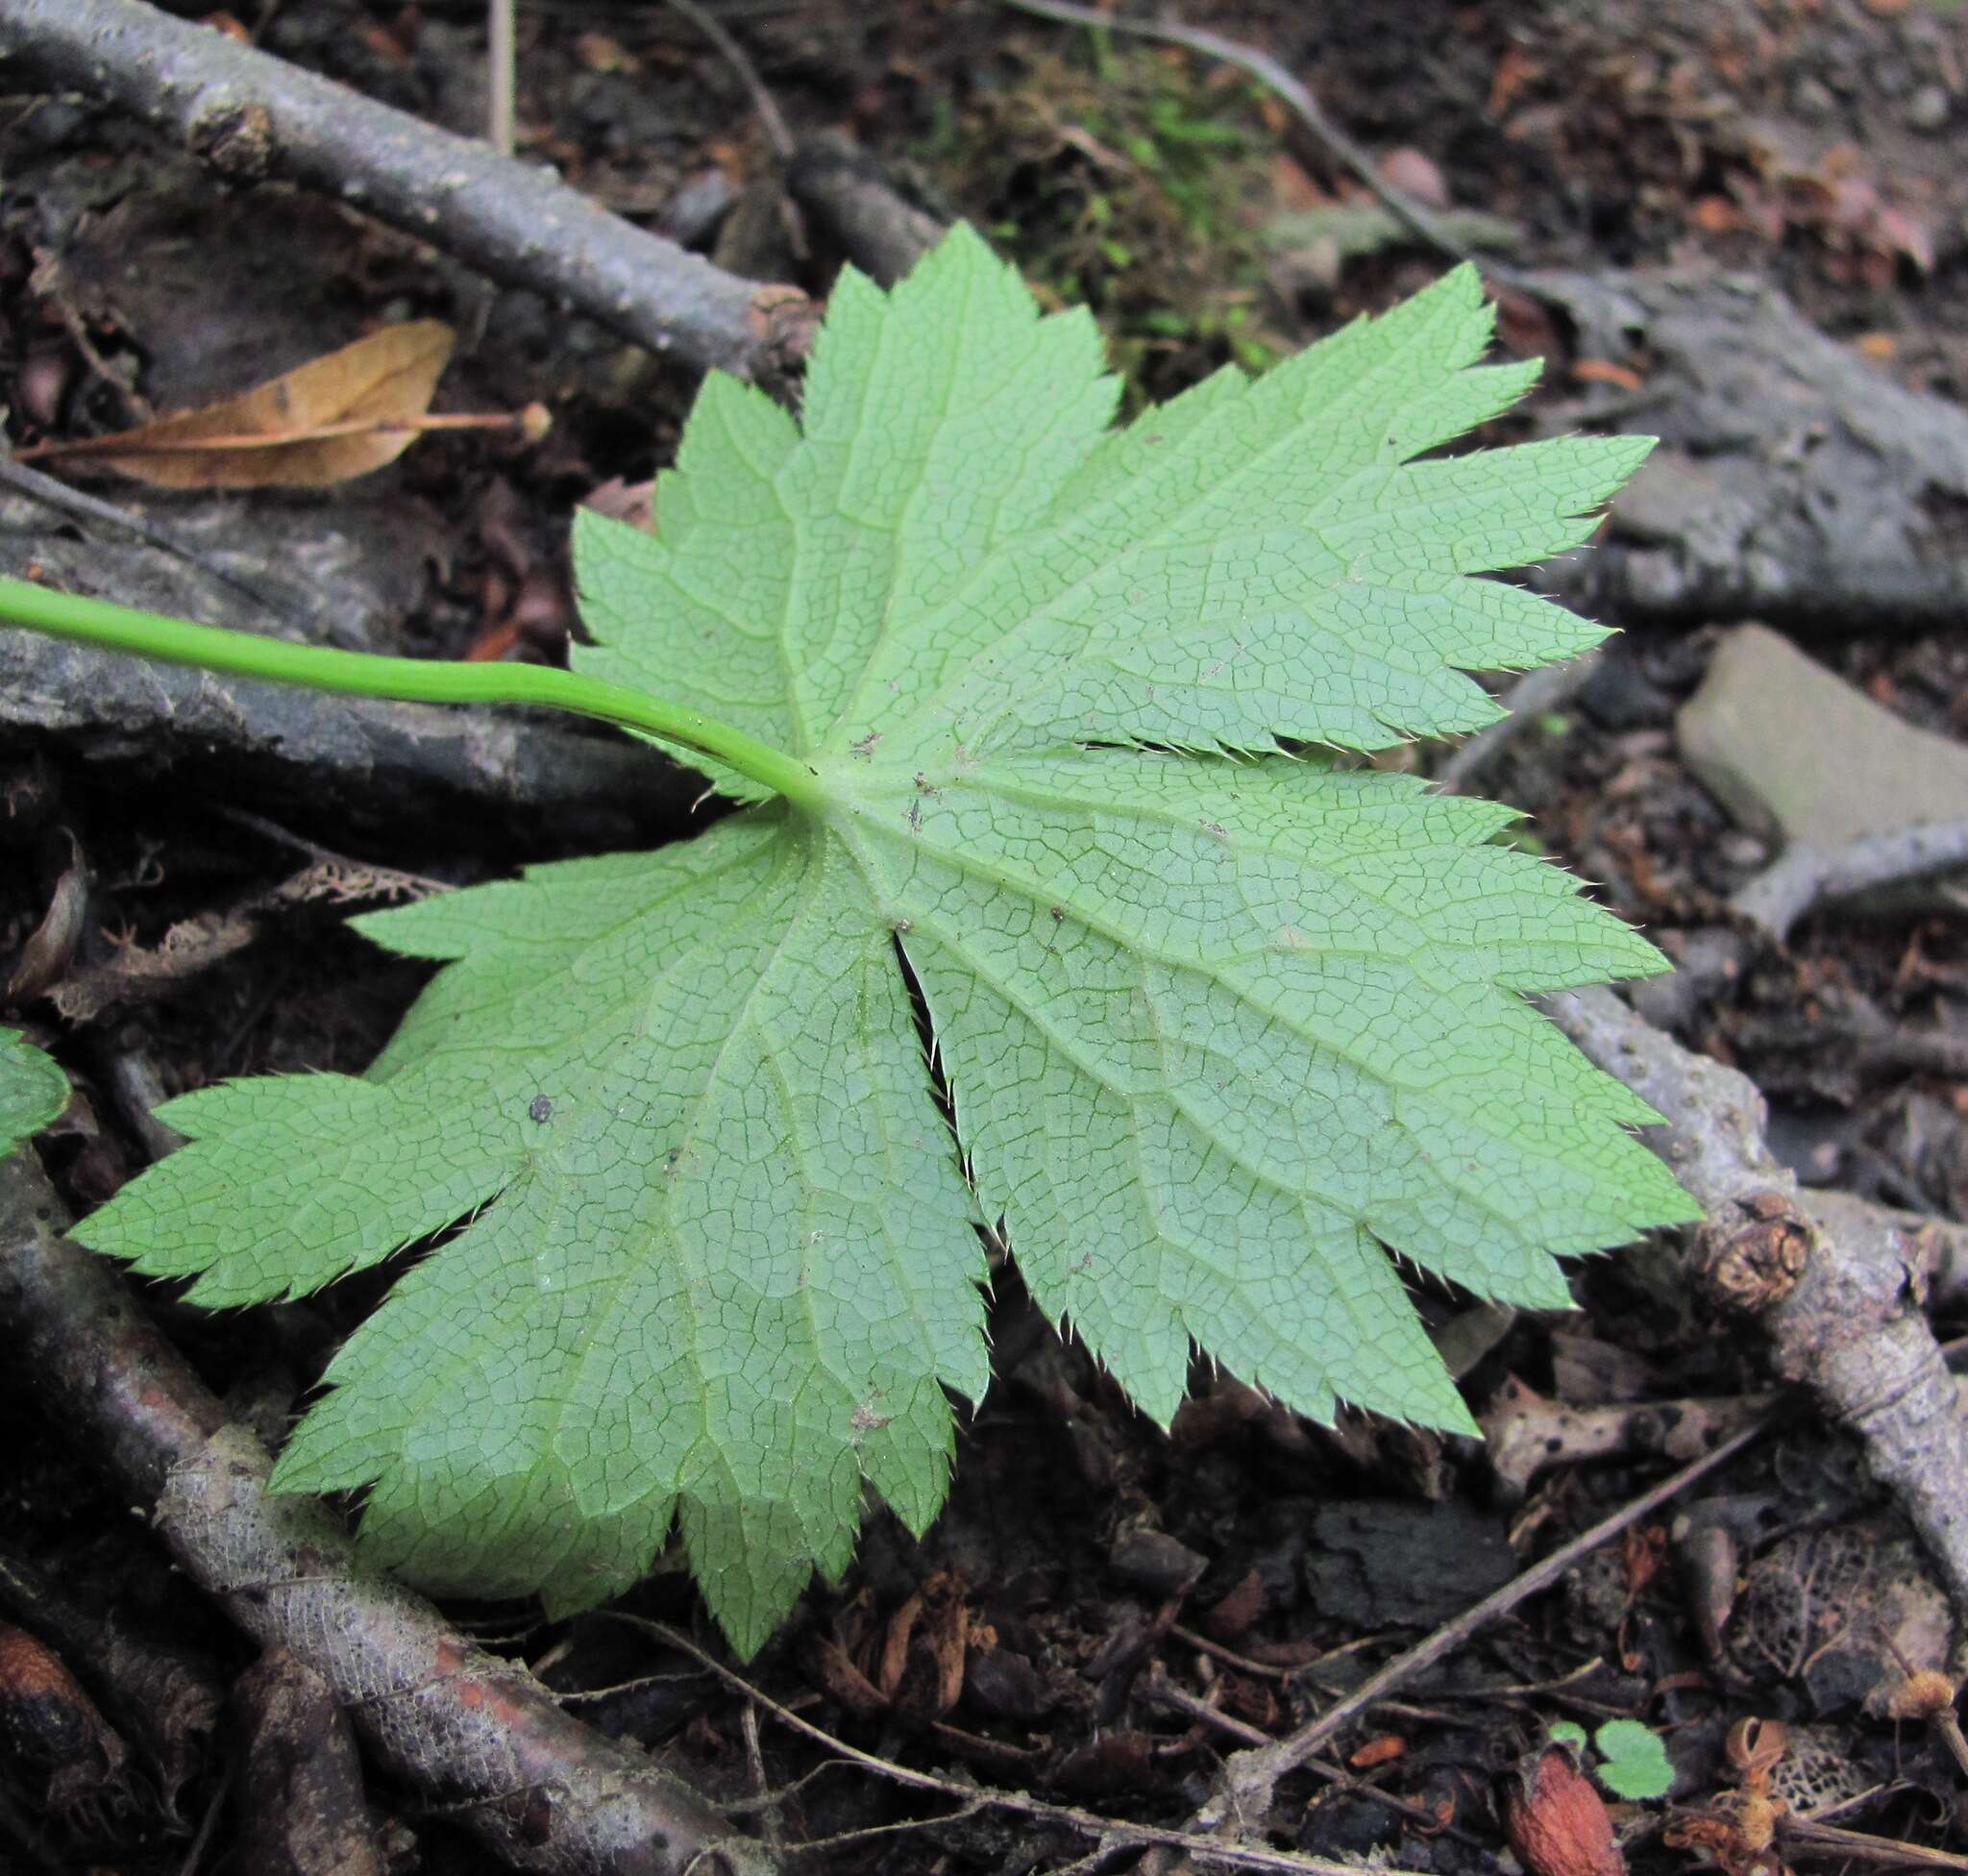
column 1132, row 180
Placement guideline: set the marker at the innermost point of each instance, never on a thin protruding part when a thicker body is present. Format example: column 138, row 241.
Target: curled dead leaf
column 45, row 957
column 923, row 1655
column 328, row 421
column 49, row 1723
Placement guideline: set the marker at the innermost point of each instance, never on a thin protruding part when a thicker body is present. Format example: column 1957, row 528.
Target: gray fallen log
column 1796, row 482
column 488, row 777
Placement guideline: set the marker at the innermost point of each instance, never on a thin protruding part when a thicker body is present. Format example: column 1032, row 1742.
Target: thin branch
column 1530, row 698
column 252, row 116
column 1803, row 1837
column 502, row 75
column 1162, row 1691
column 1251, row 1775
column 1088, row 1823
column 735, row 56
column 1808, row 877
column 1417, row 220
column 1243, row 1664
column 128, row 443
column 544, row 1791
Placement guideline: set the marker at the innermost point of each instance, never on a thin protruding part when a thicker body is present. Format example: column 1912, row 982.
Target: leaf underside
column 1222, row 1025
column 33, row 1089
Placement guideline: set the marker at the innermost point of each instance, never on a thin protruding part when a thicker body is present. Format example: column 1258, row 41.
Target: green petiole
column 405, row 680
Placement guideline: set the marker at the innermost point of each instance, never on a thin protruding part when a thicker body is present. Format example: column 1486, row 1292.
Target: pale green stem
column 406, row 680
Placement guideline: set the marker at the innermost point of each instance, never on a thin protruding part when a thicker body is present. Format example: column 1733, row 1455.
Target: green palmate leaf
column 33, row 1089
column 1220, row 1026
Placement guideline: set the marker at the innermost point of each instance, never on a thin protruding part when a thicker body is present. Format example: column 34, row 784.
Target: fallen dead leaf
column 327, row 421
column 1714, row 214
column 45, row 956
column 1382, row 1751
column 1604, row 371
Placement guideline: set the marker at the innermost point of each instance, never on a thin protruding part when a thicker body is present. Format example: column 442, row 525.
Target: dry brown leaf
column 328, row 421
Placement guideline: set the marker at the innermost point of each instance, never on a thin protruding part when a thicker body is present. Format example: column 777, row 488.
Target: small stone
column 1928, row 109
column 1743, row 852
column 1006, row 1685
column 1153, row 1560
column 1790, row 748
column 1621, row 696
column 1891, row 76
column 1811, row 100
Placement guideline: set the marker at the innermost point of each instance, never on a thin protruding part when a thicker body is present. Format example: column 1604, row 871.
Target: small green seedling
column 1035, row 726
column 1633, row 1762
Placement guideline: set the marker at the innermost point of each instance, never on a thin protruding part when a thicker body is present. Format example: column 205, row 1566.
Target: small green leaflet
column 33, row 1089
column 1633, row 1762
column 1216, row 1022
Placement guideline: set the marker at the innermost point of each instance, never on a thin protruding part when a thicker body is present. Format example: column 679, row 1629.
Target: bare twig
column 1836, row 1285
column 847, row 196
column 1808, row 1836
column 1087, row 1823
column 543, row 1789
column 1808, row 877
column 1418, row 220
column 1157, row 1689
column 1250, row 1776
column 1525, row 1434
column 502, row 74
column 1243, row 1664
column 1530, row 698
column 734, row 55
column 252, row 116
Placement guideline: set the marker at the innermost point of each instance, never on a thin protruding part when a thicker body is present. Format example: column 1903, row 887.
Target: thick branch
column 252, row 116
column 1837, row 1286
column 482, row 775
column 544, row 1791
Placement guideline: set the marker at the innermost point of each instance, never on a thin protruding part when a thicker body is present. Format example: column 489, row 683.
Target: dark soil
column 1123, row 1607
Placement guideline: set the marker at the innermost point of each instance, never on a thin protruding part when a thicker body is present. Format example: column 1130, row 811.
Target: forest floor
column 1103, row 1612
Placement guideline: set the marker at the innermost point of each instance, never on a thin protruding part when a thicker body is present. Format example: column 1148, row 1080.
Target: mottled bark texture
column 1839, row 1286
